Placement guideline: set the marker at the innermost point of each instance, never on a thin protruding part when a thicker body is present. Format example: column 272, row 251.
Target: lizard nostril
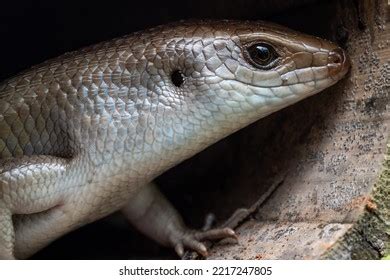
column 338, row 62
column 336, row 56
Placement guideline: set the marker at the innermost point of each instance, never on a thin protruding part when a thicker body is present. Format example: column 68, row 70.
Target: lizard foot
column 191, row 239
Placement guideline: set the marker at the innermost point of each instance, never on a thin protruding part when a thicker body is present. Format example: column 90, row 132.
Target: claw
column 216, row 234
column 179, row 249
column 201, row 249
column 192, row 243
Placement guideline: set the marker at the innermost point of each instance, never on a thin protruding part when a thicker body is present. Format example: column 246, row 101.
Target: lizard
column 83, row 135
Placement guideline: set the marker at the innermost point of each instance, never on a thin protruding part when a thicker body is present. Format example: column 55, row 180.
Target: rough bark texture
column 331, row 147
column 370, row 236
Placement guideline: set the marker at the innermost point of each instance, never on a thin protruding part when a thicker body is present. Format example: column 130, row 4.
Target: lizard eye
column 261, row 55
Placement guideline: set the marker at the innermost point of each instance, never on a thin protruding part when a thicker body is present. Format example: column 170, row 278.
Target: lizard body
column 84, row 134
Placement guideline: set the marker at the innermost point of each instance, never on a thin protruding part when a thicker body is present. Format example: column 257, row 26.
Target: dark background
column 33, row 31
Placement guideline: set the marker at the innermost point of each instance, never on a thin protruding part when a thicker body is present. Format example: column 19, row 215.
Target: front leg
column 151, row 213
column 30, row 186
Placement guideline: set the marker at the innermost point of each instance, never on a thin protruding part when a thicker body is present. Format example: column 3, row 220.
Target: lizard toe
column 215, row 234
column 191, row 239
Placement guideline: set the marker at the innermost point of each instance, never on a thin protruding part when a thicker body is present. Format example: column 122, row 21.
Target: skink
column 84, row 134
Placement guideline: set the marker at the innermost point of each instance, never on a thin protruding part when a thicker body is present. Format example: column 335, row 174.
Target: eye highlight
column 261, row 55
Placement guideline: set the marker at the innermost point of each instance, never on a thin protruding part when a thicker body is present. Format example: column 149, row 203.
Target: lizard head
column 222, row 75
column 261, row 64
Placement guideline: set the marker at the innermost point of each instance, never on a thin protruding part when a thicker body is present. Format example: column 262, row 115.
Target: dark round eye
column 262, row 55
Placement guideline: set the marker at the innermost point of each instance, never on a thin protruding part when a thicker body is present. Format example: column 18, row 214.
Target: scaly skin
column 83, row 135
